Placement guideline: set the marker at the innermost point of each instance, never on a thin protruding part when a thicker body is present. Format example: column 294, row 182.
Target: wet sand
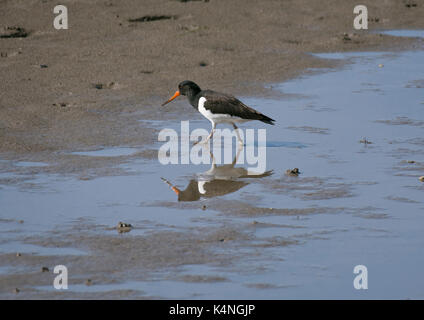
column 274, row 237
column 84, row 87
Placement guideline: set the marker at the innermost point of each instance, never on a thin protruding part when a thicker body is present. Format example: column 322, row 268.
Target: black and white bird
column 217, row 181
column 218, row 107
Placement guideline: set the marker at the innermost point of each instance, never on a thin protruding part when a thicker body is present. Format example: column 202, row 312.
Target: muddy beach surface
column 88, row 85
column 80, row 116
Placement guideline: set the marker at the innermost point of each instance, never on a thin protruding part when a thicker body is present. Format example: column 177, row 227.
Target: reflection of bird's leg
column 239, row 148
column 238, row 136
column 175, row 189
column 209, row 136
column 206, row 146
column 213, row 160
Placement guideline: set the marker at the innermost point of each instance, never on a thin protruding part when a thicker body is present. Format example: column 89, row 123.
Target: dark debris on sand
column 13, row 32
column 153, row 18
column 293, row 172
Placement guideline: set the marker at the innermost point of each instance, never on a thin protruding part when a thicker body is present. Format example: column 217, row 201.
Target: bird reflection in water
column 219, row 180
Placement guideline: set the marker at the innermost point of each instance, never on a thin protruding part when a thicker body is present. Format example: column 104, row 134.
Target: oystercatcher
column 218, row 107
column 217, row 181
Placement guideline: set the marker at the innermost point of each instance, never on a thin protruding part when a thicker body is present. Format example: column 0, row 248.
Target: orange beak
column 176, row 94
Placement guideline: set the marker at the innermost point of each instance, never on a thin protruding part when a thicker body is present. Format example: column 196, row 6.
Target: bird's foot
column 199, row 142
column 202, row 141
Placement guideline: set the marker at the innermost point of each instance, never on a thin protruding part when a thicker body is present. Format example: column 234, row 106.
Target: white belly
column 217, row 117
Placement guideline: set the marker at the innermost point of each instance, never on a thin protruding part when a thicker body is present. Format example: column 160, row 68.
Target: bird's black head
column 188, row 88
column 185, row 88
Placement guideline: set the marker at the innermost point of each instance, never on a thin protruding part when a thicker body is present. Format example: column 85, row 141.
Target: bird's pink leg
column 209, row 136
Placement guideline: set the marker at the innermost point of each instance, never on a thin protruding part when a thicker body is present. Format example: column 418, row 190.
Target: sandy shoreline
column 83, row 87
column 100, row 83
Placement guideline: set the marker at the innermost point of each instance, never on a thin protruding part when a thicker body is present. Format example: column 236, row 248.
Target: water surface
column 272, row 236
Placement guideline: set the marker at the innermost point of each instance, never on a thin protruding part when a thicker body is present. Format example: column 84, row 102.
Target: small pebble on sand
column 123, row 227
column 365, row 141
column 293, row 172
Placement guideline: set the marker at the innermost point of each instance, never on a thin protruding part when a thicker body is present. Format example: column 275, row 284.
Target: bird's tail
column 267, row 120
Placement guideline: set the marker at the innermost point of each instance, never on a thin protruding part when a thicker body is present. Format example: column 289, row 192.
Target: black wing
column 223, row 103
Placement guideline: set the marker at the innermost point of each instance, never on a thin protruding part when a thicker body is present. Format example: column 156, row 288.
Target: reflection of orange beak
column 176, row 190
column 176, row 94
